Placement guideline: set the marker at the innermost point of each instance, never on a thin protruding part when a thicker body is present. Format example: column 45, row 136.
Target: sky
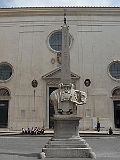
column 49, row 3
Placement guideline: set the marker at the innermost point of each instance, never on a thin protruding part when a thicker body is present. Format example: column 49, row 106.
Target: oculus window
column 5, row 71
column 55, row 40
column 114, row 70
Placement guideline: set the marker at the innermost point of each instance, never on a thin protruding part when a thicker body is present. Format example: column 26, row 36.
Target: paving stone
column 24, row 148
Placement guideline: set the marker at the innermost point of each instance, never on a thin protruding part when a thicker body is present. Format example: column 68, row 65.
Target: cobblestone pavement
column 24, row 148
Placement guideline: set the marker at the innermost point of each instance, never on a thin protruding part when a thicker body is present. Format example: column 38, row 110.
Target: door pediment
column 56, row 74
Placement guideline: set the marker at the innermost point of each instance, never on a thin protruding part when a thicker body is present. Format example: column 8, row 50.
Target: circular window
column 5, row 71
column 114, row 69
column 55, row 40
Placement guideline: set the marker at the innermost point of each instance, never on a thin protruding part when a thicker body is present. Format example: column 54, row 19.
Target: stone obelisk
column 65, row 61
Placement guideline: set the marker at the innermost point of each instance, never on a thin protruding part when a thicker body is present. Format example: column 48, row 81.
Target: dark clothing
column 98, row 126
column 42, row 131
column 110, row 131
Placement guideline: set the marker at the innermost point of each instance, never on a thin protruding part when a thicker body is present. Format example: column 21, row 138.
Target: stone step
column 66, row 141
column 68, row 152
column 66, row 145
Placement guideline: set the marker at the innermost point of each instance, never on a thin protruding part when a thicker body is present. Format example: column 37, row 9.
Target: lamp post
column 34, row 85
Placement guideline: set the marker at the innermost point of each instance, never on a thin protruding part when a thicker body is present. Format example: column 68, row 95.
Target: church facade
column 30, row 64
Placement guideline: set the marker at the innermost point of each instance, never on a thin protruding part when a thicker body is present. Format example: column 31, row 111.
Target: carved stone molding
column 53, row 81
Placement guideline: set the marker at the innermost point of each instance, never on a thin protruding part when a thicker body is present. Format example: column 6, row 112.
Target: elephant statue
column 67, row 93
column 78, row 97
column 54, row 100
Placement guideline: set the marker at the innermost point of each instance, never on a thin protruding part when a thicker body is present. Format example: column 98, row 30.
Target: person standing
column 98, row 126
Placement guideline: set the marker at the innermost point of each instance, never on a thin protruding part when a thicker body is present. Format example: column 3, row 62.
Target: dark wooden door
column 117, row 113
column 3, row 113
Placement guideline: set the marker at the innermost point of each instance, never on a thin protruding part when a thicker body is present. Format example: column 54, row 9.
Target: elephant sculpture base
column 66, row 142
column 66, row 126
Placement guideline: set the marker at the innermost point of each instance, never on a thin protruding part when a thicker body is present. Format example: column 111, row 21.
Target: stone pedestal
column 66, row 126
column 66, row 142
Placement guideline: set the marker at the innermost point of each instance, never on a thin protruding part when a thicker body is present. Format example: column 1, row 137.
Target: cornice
column 59, row 11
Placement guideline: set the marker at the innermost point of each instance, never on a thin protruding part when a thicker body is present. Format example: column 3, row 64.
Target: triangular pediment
column 56, row 74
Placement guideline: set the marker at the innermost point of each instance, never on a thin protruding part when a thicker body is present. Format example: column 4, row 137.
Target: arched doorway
column 116, row 102
column 4, row 102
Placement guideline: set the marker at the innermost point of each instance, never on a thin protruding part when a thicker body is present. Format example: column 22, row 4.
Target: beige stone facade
column 24, row 46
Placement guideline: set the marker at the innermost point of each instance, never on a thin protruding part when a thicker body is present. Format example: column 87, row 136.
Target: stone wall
column 24, row 44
